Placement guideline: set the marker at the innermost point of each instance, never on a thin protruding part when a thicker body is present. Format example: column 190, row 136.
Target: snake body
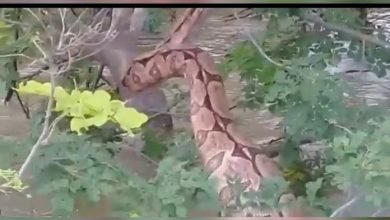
column 224, row 151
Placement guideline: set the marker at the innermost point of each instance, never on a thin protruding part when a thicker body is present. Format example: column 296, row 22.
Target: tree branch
column 258, row 47
column 345, row 206
column 46, row 124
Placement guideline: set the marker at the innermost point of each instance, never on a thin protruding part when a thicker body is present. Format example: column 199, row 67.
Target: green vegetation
column 283, row 69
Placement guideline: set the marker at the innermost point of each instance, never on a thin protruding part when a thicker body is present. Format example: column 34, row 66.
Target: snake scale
column 223, row 150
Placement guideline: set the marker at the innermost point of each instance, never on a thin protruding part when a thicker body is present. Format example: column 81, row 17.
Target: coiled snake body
column 223, row 150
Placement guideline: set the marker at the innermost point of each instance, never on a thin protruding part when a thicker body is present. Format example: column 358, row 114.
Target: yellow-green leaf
column 133, row 214
column 76, row 110
column 75, row 94
column 102, row 96
column 34, row 87
column 129, row 118
column 94, row 103
column 98, row 120
column 65, row 102
column 76, row 124
column 60, row 93
column 115, row 105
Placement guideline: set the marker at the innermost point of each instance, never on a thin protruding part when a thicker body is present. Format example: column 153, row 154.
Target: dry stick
column 17, row 55
column 378, row 212
column 45, row 129
column 102, row 66
column 258, row 47
column 24, row 107
column 52, row 127
column 99, row 76
column 48, row 127
column 345, row 206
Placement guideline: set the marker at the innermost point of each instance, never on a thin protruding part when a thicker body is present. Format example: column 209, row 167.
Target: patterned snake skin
column 223, row 150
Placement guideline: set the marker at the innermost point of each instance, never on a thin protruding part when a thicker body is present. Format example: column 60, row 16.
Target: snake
column 223, row 150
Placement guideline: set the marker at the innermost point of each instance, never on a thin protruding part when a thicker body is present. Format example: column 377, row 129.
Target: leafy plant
column 283, row 69
column 86, row 108
column 288, row 75
column 10, row 180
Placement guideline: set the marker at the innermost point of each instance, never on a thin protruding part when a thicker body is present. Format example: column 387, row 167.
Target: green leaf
column 312, row 189
column 95, row 102
column 97, row 120
column 76, row 124
column 129, row 118
column 116, row 105
column 357, row 140
column 66, row 102
column 34, row 87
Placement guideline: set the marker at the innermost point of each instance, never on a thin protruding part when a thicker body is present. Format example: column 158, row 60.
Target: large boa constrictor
column 223, row 150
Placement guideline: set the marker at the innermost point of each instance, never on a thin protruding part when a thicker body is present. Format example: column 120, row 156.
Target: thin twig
column 343, row 128
column 102, row 66
column 258, row 47
column 74, row 12
column 25, row 108
column 46, row 124
column 378, row 212
column 77, row 21
column 36, row 17
column 69, row 64
column 108, row 35
column 39, row 48
column 99, row 76
column 345, row 206
column 63, row 26
column 52, row 128
column 14, row 22
column 16, row 55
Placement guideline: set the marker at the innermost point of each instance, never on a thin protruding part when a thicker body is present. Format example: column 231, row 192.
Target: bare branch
column 36, row 17
column 46, row 125
column 62, row 15
column 345, row 206
column 258, row 47
column 76, row 22
column 378, row 212
column 39, row 48
column 16, row 55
